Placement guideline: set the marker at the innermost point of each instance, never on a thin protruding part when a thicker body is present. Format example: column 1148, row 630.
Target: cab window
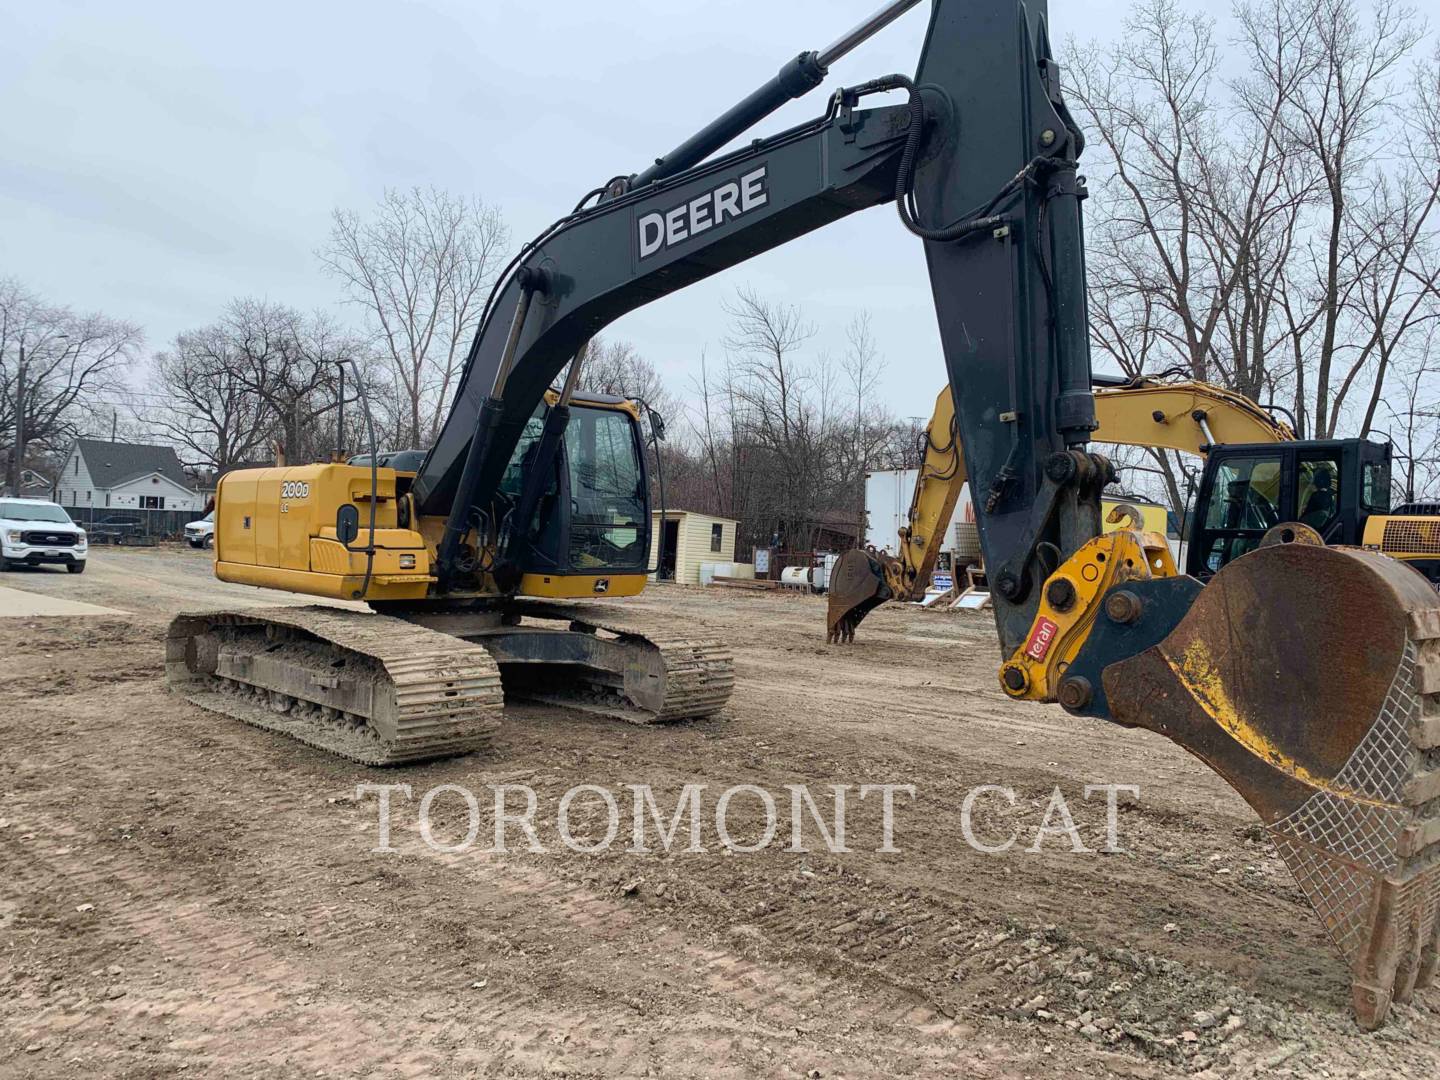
column 607, row 523
column 1246, row 494
column 1245, row 501
column 1317, row 492
column 513, row 482
column 1375, row 486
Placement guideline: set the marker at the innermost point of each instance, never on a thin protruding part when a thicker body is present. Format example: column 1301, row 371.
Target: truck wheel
column 75, row 567
column 209, row 541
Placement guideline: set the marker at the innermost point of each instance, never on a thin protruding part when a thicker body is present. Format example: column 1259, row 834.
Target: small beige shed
column 691, row 539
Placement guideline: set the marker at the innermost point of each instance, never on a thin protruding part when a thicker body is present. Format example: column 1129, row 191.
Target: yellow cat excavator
column 1257, row 477
column 1324, row 715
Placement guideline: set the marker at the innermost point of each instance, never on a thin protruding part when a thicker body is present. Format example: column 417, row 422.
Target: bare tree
column 1274, row 232
column 1341, row 112
column 67, row 359
column 616, row 367
column 1413, row 416
column 260, row 380
column 213, row 418
column 709, row 421
column 419, row 266
column 775, row 421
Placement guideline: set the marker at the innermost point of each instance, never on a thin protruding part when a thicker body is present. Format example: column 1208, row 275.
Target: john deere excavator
column 1308, row 677
column 1258, row 477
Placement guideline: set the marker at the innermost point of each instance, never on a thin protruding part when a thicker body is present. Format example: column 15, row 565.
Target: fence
column 103, row 523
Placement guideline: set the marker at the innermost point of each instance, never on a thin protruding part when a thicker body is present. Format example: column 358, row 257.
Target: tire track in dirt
column 737, row 994
column 238, row 989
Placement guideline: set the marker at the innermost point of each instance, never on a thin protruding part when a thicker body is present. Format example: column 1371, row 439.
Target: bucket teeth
column 1323, row 717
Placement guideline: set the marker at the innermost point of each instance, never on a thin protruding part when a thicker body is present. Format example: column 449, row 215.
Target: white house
column 107, row 475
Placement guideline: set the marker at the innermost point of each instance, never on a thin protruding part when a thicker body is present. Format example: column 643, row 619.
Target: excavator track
column 579, row 656
column 376, row 690
column 698, row 675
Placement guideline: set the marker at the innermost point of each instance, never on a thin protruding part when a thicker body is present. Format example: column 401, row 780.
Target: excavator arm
column 1324, row 716
column 1190, row 417
column 645, row 239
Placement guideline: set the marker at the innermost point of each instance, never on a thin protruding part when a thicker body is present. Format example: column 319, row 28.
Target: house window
column 107, row 498
column 152, row 502
column 77, row 464
column 717, row 534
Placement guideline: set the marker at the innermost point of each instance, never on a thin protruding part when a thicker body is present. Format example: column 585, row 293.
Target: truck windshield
column 33, row 511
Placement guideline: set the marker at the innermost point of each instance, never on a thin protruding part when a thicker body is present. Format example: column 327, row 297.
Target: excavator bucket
column 1309, row 678
column 856, row 585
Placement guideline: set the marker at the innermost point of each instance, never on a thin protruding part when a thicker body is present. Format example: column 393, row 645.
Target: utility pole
column 340, row 421
column 17, row 455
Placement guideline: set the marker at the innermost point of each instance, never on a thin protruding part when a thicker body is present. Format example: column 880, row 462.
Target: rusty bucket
column 1309, row 678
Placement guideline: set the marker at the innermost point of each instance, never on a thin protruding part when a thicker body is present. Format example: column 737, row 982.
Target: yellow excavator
column 1255, row 469
column 425, row 676
column 1307, row 676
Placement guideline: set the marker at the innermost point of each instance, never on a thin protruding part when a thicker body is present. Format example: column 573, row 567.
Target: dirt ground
column 180, row 892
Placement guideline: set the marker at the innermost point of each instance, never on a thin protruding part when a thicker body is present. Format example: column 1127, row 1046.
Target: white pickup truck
column 201, row 534
column 34, row 532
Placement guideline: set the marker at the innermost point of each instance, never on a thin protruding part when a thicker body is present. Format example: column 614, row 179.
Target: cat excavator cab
column 1324, row 717
column 1337, row 488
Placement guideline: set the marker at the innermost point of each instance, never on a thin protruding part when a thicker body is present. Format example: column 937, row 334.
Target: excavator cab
column 1332, row 486
column 593, row 518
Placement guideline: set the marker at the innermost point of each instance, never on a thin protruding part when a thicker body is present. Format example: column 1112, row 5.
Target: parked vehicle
column 114, row 530
column 34, row 532
column 201, row 534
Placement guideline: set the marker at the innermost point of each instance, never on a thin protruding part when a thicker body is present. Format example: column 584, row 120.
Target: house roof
column 112, row 464
column 671, row 512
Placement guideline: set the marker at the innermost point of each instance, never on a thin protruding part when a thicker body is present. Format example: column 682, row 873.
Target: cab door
column 1243, row 495
column 1322, row 493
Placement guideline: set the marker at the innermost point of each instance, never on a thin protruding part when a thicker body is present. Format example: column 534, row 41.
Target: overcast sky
column 162, row 157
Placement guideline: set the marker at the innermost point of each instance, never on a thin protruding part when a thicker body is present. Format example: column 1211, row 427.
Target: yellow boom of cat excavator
column 1186, row 416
